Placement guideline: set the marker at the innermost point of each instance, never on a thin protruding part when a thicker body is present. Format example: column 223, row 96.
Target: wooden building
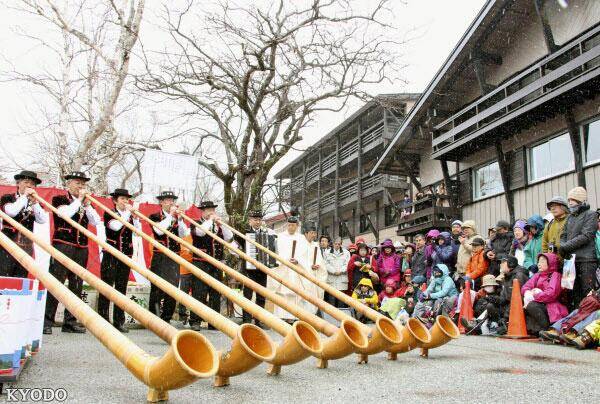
column 330, row 182
column 512, row 117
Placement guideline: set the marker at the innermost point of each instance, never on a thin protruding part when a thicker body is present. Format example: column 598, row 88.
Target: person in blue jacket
column 440, row 296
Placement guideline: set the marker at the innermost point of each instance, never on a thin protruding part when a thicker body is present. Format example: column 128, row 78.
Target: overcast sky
column 434, row 27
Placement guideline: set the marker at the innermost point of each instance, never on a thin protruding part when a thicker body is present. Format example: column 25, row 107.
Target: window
column 591, row 141
column 551, row 158
column 487, row 181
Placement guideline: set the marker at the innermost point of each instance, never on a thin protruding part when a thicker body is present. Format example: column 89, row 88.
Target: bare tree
column 253, row 76
column 93, row 48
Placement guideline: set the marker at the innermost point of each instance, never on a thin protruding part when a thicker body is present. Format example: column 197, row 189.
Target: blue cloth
column 580, row 325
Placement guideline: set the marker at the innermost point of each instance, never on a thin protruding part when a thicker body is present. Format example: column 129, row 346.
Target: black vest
column 121, row 239
column 207, row 243
column 63, row 231
column 164, row 239
column 25, row 217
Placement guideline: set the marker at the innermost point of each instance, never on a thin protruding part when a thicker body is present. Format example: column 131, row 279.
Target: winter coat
column 579, row 235
column 519, row 273
column 534, row 247
column 483, row 298
column 465, row 250
column 552, row 233
column 355, row 274
column 336, row 263
column 418, row 264
column 501, row 244
column 370, row 297
column 477, row 266
column 389, row 267
column 549, row 284
column 441, row 287
column 444, row 254
column 598, row 245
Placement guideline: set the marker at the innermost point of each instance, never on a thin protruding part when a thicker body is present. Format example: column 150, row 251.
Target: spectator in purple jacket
column 389, row 264
column 431, row 241
column 444, row 252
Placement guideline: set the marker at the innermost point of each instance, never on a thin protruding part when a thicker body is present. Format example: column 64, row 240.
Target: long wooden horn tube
column 300, row 340
column 375, row 344
column 385, row 334
column 181, row 365
column 250, row 345
column 345, row 340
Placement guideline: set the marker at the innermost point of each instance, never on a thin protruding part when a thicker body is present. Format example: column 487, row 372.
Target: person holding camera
column 559, row 208
column 499, row 245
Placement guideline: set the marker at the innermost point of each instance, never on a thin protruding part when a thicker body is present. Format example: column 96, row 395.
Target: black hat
column 477, row 241
column 255, row 213
column 120, row 192
column 28, row 175
column 76, row 175
column 502, row 224
column 165, row 195
column 309, row 226
column 510, row 260
column 207, row 204
column 293, row 219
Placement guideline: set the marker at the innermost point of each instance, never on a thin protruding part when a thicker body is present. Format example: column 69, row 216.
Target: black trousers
column 80, row 256
column 333, row 301
column 536, row 317
column 116, row 274
column 167, row 269
column 208, row 295
column 191, row 282
column 259, row 277
column 585, row 280
column 9, row 266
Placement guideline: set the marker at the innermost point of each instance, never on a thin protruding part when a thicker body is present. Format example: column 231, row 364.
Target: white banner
column 163, row 171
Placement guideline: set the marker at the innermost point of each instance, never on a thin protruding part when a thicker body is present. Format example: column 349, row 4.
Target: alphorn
column 250, row 345
column 182, row 364
column 300, row 340
column 342, row 342
column 385, row 335
column 413, row 335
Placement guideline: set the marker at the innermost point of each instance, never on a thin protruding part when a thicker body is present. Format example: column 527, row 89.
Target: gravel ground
column 472, row 369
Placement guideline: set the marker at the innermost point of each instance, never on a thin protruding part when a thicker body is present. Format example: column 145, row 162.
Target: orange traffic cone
column 466, row 307
column 517, row 328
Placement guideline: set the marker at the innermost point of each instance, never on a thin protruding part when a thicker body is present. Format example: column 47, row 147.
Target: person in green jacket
column 559, row 207
column 535, row 227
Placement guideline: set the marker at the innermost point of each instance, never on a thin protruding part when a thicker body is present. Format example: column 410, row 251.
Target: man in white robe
column 311, row 260
column 298, row 249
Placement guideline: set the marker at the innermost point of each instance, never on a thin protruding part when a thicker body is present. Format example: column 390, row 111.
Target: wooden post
column 377, row 223
column 505, row 174
column 358, row 177
column 303, row 213
column 548, row 36
column 336, row 209
column 319, row 192
column 575, row 143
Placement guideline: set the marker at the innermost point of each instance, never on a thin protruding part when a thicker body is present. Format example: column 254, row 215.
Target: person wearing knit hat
column 579, row 238
column 520, row 240
column 456, row 231
column 469, row 233
column 578, row 194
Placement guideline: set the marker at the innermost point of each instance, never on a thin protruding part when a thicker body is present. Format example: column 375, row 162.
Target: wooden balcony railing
column 575, row 63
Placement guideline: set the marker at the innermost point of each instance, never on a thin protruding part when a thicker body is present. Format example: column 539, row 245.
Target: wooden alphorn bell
column 250, row 345
column 190, row 356
column 300, row 340
column 386, row 335
column 342, row 342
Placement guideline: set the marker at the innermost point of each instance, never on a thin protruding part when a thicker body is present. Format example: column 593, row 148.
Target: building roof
column 345, row 123
column 474, row 31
